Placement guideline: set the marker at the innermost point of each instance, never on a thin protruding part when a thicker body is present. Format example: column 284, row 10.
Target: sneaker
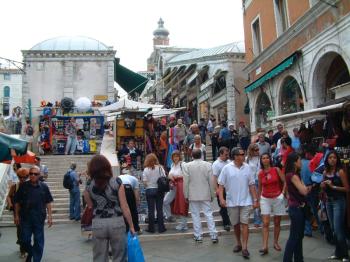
column 214, row 240
column 181, row 228
column 345, row 260
column 198, row 239
column 171, row 219
column 227, row 228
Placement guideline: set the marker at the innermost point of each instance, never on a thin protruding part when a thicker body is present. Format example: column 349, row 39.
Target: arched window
column 291, row 97
column 263, row 106
column 6, row 91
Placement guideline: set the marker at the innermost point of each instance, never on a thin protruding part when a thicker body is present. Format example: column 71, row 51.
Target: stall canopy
column 130, row 81
column 20, row 154
column 126, row 104
column 308, row 113
column 165, row 112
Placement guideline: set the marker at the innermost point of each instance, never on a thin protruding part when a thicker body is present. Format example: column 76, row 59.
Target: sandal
column 277, row 247
column 237, row 249
column 263, row 251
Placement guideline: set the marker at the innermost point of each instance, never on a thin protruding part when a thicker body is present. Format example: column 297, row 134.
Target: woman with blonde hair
column 175, row 196
column 154, row 197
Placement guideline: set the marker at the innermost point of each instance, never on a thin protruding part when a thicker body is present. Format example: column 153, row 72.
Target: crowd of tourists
column 267, row 176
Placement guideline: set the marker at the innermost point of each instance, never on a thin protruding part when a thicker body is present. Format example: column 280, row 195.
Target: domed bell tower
column 160, row 34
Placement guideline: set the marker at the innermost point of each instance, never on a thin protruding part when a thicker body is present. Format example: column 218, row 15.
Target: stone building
column 10, row 90
column 67, row 67
column 162, row 52
column 208, row 81
column 298, row 56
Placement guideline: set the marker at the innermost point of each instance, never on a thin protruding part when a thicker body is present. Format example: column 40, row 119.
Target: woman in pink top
column 271, row 193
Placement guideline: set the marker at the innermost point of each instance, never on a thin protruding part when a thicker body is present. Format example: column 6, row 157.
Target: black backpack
column 29, row 131
column 67, row 181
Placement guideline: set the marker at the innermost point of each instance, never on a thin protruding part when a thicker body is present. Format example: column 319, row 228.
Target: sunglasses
column 34, row 174
column 240, row 154
column 256, row 149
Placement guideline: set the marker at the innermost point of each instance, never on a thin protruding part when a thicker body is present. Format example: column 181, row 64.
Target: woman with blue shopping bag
column 135, row 253
column 106, row 196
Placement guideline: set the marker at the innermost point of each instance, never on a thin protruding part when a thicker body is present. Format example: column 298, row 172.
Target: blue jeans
column 257, row 214
column 71, row 145
column 294, row 246
column 33, row 226
column 313, row 201
column 74, row 204
column 336, row 216
column 155, row 201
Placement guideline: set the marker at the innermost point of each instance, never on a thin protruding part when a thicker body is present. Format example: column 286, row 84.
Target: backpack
column 67, row 181
column 29, row 131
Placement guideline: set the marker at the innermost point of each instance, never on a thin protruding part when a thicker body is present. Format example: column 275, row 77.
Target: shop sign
column 100, row 97
column 270, row 113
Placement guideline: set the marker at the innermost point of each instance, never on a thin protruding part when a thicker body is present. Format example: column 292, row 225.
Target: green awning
column 130, row 81
column 7, row 143
column 272, row 73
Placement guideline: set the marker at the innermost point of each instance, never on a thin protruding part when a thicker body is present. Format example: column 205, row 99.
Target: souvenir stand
column 53, row 137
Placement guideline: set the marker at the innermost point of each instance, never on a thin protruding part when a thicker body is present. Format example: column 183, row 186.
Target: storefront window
column 291, row 98
column 263, row 106
column 204, row 109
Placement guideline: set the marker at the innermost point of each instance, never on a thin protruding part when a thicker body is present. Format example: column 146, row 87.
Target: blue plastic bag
column 135, row 253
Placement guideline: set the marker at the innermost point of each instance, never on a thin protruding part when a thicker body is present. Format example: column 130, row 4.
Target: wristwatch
column 334, row 187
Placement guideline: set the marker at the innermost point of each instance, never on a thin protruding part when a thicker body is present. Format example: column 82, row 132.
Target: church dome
column 161, row 31
column 69, row 43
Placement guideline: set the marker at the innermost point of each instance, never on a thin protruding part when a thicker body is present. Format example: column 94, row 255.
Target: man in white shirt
column 239, row 183
column 217, row 166
column 199, row 191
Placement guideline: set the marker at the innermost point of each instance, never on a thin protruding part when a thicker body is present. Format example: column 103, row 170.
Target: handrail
column 3, row 186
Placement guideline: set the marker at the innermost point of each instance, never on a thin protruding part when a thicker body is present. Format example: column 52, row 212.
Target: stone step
column 174, row 234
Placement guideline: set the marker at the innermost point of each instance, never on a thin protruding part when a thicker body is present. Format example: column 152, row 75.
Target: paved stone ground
column 65, row 243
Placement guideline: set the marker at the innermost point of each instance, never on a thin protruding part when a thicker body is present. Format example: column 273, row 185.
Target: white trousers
column 168, row 199
column 196, row 207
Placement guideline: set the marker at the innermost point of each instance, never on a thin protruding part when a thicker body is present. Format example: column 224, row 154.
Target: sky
column 127, row 25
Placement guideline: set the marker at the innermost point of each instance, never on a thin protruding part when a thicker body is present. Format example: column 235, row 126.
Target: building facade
column 71, row 67
column 207, row 82
column 298, row 53
column 10, row 90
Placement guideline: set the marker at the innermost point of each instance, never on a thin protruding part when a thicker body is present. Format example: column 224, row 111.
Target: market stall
column 53, row 135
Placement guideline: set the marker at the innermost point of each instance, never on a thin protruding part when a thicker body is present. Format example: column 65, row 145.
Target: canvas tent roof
column 126, row 104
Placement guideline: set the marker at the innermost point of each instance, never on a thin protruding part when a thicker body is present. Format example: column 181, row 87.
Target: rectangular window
column 281, row 16
column 7, row 76
column 257, row 48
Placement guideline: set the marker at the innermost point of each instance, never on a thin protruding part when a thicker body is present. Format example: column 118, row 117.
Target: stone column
column 110, row 80
column 230, row 94
column 68, row 88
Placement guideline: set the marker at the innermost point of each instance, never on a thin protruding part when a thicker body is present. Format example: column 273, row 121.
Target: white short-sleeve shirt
column 236, row 181
column 218, row 165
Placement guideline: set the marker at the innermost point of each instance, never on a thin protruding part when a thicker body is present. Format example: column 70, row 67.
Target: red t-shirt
column 271, row 183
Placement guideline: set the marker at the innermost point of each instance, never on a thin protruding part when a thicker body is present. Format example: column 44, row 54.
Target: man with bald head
column 33, row 202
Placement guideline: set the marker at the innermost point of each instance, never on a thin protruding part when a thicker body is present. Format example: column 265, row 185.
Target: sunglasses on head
column 34, row 174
